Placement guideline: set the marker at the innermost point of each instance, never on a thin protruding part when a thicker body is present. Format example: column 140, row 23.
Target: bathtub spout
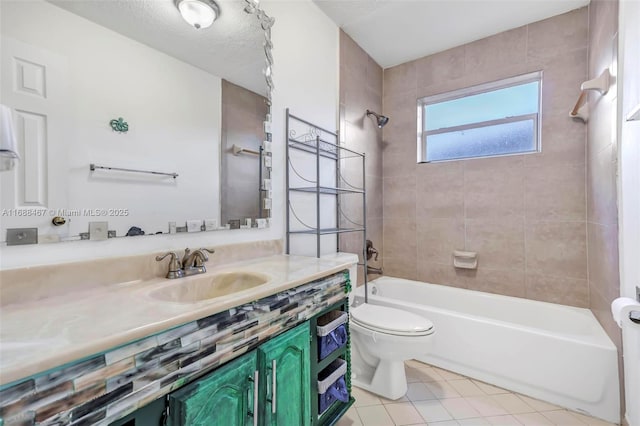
column 372, row 270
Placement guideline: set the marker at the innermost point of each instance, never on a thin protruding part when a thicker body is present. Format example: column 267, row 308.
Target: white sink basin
column 209, row 287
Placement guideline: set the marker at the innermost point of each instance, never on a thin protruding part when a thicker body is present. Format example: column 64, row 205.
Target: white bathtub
column 555, row 353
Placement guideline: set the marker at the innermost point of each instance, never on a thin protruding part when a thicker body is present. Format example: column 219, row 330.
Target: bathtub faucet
column 372, row 270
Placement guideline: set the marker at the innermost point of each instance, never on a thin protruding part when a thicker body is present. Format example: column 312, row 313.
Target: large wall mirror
column 129, row 121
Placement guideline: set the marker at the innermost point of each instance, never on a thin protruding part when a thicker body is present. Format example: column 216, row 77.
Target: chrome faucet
column 175, row 268
column 191, row 264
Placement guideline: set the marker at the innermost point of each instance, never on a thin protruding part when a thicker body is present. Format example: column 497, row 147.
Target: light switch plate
column 98, row 231
column 22, row 236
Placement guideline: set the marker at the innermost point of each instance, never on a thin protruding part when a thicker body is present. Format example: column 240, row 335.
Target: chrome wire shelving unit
column 320, row 153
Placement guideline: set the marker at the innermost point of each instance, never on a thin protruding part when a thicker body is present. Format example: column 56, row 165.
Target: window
column 499, row 118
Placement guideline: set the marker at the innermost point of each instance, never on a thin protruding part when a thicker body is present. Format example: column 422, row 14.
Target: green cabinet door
column 284, row 365
column 223, row 398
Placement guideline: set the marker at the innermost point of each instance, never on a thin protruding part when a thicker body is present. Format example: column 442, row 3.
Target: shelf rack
column 324, row 150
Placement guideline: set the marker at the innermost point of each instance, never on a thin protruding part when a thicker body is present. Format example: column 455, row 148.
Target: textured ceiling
column 397, row 31
column 231, row 48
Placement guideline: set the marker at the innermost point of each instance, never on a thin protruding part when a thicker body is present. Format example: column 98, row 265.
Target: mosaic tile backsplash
column 109, row 386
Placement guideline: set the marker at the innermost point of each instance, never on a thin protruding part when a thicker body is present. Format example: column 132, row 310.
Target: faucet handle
column 201, row 257
column 187, row 252
column 203, row 250
column 175, row 267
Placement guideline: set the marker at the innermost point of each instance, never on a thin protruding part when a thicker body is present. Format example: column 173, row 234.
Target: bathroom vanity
column 249, row 357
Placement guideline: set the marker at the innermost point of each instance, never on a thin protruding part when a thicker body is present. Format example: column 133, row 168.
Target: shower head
column 381, row 120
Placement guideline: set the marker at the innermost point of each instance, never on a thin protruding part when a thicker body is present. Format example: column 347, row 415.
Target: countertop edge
column 77, row 353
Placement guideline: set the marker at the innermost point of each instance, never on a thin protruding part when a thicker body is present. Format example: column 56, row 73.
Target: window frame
column 535, row 76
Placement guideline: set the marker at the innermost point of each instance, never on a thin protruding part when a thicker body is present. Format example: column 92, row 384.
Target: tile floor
column 438, row 397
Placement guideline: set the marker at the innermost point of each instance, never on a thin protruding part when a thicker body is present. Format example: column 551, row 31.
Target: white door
column 629, row 196
column 33, row 84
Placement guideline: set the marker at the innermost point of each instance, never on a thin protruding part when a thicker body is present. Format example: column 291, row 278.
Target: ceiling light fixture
column 198, row 13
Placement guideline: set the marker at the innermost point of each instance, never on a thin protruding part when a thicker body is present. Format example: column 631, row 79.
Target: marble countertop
column 40, row 335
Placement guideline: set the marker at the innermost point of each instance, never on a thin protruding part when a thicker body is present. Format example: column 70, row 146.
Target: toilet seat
column 391, row 321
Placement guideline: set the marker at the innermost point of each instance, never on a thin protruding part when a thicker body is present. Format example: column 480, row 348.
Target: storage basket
column 332, row 385
column 332, row 332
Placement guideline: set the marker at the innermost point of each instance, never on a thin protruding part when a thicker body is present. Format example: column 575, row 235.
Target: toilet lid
column 391, row 320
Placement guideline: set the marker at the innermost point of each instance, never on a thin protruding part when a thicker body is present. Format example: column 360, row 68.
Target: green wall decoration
column 119, row 125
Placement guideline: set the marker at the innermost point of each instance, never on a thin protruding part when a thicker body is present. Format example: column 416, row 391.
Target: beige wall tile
column 603, row 17
column 601, row 307
column 555, row 193
column 492, row 190
column 601, row 171
column 603, row 258
column 361, row 82
column 352, row 56
column 505, row 282
column 399, row 237
column 374, row 233
column 444, row 274
column 601, row 188
column 399, row 197
column 566, row 291
column 563, row 141
column 556, row 248
column 396, row 163
column 498, row 242
column 434, row 177
column 441, row 67
column 439, row 204
column 400, row 267
column 356, row 96
column 374, row 197
column 375, row 77
column 399, row 136
column 501, row 50
column 600, row 131
column 400, row 79
column 561, row 80
column 440, row 190
column 489, row 194
column 557, row 35
column 508, row 70
column 438, row 238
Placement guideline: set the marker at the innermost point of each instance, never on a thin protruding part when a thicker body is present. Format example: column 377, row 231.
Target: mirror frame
column 252, row 8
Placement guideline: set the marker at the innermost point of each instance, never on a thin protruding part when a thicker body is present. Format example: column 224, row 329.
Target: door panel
column 284, row 361
column 35, row 85
column 224, row 398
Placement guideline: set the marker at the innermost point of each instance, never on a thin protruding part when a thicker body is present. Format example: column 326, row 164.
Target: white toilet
column 382, row 339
